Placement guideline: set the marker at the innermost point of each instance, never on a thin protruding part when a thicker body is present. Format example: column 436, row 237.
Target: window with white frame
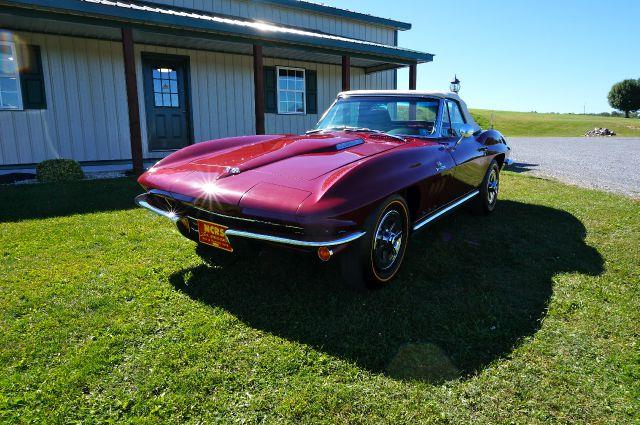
column 10, row 94
column 291, row 91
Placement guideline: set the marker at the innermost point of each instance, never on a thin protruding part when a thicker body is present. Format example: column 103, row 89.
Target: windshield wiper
column 355, row 130
column 369, row 130
column 319, row 130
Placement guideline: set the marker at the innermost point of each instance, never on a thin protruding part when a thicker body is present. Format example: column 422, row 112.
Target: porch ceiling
column 186, row 28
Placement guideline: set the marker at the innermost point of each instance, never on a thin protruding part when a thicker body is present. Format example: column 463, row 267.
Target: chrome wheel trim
column 387, row 242
column 493, row 186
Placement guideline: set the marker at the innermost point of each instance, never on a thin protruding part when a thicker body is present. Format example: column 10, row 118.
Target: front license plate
column 214, row 235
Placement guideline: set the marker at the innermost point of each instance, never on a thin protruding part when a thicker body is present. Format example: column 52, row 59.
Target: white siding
column 329, row 85
column 222, row 99
column 222, row 96
column 87, row 119
column 290, row 16
column 86, row 116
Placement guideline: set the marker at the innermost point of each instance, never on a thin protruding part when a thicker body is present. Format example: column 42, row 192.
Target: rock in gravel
column 597, row 132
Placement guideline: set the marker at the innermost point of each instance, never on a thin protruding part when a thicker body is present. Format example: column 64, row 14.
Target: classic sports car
column 379, row 166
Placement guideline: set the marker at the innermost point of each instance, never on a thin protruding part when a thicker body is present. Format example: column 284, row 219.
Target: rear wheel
column 489, row 189
column 375, row 259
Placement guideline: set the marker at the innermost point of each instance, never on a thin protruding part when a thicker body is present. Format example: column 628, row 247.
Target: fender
column 363, row 184
column 494, row 142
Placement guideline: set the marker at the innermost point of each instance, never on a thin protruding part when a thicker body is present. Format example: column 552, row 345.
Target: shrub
column 57, row 170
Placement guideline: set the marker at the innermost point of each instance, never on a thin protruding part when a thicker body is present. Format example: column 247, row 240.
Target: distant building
column 121, row 82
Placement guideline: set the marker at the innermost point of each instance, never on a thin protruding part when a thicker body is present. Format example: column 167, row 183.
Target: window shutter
column 312, row 91
column 270, row 90
column 32, row 78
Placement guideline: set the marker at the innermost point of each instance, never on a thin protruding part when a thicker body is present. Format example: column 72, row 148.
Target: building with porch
column 123, row 83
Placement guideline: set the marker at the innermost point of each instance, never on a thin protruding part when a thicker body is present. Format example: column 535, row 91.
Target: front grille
column 192, row 213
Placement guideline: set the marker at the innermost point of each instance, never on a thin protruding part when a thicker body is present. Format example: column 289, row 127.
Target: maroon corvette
column 379, row 166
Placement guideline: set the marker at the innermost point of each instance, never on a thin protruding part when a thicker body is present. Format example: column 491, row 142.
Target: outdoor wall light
column 455, row 84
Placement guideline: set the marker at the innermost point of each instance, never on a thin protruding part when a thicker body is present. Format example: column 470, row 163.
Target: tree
column 625, row 96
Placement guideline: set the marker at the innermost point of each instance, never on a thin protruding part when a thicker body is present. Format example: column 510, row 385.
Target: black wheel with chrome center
column 493, row 185
column 375, row 259
column 388, row 241
column 389, row 237
column 487, row 198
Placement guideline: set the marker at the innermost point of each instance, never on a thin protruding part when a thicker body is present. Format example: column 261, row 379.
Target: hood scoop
column 248, row 157
column 349, row 144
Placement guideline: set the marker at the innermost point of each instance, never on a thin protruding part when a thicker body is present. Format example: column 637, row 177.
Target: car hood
column 278, row 165
column 294, row 157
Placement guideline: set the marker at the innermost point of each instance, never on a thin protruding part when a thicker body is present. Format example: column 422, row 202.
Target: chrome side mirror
column 466, row 130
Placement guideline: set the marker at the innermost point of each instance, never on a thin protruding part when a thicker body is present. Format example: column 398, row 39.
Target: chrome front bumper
column 141, row 200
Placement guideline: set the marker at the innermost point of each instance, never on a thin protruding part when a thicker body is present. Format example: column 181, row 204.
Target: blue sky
column 542, row 55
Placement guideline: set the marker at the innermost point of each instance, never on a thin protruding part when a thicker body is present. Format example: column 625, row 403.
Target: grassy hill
column 534, row 124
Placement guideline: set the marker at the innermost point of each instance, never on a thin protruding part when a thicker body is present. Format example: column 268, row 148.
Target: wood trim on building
column 258, row 87
column 346, row 73
column 413, row 76
column 133, row 106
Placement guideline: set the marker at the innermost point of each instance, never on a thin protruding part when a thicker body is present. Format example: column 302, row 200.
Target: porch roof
column 171, row 22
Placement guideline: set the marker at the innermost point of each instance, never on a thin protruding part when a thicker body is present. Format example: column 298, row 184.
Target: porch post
column 413, row 76
column 346, row 73
column 258, row 86
column 132, row 100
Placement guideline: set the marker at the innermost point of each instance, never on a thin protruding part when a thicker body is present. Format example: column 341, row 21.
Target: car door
column 433, row 160
column 469, row 155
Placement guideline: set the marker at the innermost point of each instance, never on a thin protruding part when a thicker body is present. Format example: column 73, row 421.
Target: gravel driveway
column 607, row 163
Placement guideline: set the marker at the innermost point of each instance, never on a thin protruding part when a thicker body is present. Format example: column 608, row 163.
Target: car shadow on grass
column 48, row 200
column 471, row 289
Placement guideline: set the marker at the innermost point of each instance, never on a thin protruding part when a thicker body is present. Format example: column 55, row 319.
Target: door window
column 165, row 88
column 455, row 116
column 446, row 121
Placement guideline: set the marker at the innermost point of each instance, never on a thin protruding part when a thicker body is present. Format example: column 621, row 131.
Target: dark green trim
column 32, row 77
column 311, row 91
column 115, row 16
column 341, row 13
column 270, row 90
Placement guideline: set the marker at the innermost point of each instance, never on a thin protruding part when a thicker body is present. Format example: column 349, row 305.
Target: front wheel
column 489, row 188
column 375, row 259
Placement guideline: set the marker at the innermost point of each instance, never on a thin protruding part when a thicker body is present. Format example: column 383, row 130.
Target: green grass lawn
column 531, row 315
column 553, row 125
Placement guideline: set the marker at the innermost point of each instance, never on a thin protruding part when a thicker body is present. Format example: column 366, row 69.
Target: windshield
column 402, row 116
